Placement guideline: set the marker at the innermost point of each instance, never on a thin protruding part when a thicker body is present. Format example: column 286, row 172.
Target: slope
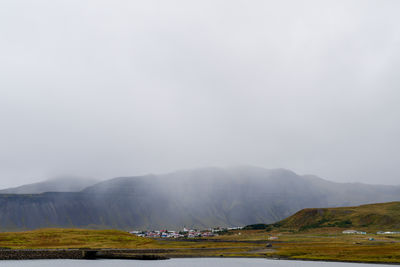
column 380, row 216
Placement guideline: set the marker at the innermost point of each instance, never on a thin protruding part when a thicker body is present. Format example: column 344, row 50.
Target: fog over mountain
column 203, row 198
column 101, row 88
column 57, row 184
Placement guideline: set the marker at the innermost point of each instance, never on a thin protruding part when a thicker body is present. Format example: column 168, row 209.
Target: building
column 387, row 233
column 354, row 232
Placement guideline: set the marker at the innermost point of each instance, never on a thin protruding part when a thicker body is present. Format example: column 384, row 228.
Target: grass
column 327, row 244
column 72, row 238
column 317, row 244
column 54, row 238
column 341, row 250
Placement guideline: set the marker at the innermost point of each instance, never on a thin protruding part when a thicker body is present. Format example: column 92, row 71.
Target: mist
column 119, row 88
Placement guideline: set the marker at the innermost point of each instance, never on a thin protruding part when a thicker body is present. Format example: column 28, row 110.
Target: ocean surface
column 195, row 262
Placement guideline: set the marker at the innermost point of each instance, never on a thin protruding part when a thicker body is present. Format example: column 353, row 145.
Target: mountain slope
column 379, row 216
column 59, row 184
column 193, row 198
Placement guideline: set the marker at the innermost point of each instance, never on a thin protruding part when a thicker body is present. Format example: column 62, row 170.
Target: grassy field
column 340, row 247
column 73, row 238
column 81, row 238
column 325, row 244
column 316, row 244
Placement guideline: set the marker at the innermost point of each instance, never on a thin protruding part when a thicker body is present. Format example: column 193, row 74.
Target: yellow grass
column 314, row 245
column 81, row 238
column 327, row 244
column 73, row 238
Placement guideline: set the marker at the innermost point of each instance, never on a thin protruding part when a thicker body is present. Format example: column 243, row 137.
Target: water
column 192, row 262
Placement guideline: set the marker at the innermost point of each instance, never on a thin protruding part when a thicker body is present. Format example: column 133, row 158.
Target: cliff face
column 196, row 198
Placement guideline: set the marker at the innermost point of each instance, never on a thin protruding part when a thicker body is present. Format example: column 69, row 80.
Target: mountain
column 59, row 184
column 193, row 198
column 381, row 216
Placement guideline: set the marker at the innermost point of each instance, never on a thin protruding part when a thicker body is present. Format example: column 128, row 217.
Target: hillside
column 199, row 198
column 59, row 184
column 382, row 216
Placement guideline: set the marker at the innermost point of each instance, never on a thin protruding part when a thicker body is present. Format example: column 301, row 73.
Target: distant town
column 184, row 233
column 195, row 233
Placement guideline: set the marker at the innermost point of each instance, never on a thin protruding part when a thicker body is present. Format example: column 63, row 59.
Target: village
column 211, row 232
column 185, row 233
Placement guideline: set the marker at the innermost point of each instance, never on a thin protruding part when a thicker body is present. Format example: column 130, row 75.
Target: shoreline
column 140, row 254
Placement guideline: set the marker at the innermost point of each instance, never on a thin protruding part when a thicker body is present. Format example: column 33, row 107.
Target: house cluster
column 158, row 234
column 173, row 234
column 355, row 232
column 387, row 233
column 185, row 233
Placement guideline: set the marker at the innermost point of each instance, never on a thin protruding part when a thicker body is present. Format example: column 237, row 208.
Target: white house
column 354, row 232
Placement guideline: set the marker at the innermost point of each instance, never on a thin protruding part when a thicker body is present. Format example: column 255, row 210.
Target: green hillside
column 382, row 216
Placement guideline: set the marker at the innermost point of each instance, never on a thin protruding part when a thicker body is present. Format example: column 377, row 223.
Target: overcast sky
column 111, row 88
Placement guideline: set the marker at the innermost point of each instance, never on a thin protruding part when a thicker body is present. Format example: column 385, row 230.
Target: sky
column 102, row 89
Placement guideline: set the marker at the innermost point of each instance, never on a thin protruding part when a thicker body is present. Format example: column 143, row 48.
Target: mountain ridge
column 198, row 198
column 57, row 184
